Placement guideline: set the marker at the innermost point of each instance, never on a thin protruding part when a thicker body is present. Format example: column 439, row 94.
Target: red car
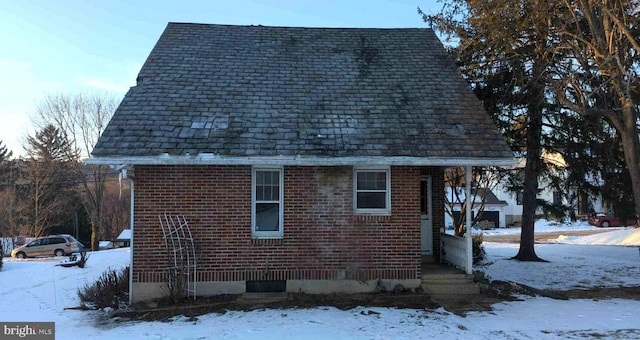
column 602, row 220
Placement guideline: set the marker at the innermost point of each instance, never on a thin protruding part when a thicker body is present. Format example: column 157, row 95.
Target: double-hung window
column 372, row 190
column 267, row 202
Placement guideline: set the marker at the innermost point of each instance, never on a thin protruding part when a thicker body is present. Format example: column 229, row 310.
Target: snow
column 38, row 290
column 623, row 237
column 105, row 244
column 569, row 266
column 545, row 226
column 125, row 235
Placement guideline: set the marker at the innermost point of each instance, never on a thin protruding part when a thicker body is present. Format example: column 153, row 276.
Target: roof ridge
column 300, row 27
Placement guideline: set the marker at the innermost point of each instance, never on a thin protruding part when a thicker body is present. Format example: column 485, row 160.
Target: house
column 105, row 245
column 493, row 208
column 124, row 239
column 301, row 159
column 555, row 162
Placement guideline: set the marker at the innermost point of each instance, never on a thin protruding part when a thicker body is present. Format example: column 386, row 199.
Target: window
column 56, row 240
column 519, row 197
column 372, row 191
column 267, row 207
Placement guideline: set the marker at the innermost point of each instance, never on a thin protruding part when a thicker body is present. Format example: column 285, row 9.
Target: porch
column 444, row 279
column 452, row 274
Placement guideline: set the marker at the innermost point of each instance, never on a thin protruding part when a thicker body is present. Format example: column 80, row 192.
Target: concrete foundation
column 346, row 286
column 149, row 291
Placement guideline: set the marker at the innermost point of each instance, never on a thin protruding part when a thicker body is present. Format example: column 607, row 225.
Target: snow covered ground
column 544, row 226
column 38, row 290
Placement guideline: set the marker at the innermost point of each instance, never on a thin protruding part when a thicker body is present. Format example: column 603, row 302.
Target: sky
column 81, row 46
column 38, row 290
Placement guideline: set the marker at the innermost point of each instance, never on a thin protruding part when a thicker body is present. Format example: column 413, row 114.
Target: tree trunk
column 535, row 109
column 631, row 149
column 529, row 206
column 95, row 237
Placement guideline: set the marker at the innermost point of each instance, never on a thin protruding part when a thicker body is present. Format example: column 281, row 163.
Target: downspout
column 131, row 245
column 467, row 234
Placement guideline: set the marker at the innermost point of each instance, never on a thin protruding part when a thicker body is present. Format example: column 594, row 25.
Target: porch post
column 467, row 234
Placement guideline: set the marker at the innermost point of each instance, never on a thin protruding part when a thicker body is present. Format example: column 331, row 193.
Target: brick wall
column 323, row 238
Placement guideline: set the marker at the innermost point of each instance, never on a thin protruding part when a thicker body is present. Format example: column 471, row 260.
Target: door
column 35, row 247
column 491, row 216
column 426, row 224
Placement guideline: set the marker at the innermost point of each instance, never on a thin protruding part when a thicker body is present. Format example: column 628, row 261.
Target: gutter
column 211, row 159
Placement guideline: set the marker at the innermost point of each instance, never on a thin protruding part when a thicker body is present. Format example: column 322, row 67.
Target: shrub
column 486, row 225
column 478, row 248
column 110, row 290
column 83, row 259
column 1, row 257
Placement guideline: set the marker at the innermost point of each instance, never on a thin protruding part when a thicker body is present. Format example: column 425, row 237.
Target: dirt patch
column 497, row 291
column 506, row 288
column 163, row 310
column 630, row 293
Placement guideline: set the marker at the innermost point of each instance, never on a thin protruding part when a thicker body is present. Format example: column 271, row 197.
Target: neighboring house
column 513, row 208
column 106, row 244
column 493, row 212
column 124, row 239
column 308, row 159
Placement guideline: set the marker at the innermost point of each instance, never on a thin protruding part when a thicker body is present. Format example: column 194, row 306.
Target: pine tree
column 51, row 196
column 504, row 50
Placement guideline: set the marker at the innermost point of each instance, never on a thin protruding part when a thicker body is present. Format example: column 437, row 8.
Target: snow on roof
column 125, row 235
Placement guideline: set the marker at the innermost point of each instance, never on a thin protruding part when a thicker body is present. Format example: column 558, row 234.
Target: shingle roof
column 323, row 92
column 490, row 198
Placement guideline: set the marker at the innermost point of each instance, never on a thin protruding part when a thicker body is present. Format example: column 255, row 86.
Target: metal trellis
column 181, row 268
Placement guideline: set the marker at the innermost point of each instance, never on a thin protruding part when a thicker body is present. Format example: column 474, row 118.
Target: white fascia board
column 210, row 159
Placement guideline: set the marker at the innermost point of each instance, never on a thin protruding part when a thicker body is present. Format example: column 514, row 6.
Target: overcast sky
column 69, row 46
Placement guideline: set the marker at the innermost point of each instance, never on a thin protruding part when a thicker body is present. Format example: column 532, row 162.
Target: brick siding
column 323, row 238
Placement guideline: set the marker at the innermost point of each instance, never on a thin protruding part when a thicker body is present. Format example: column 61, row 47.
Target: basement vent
column 266, row 286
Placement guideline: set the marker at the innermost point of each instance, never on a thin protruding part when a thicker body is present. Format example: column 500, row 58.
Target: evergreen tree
column 50, row 196
column 505, row 50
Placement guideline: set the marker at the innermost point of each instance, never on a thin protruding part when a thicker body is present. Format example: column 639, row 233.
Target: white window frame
column 267, row 234
column 374, row 211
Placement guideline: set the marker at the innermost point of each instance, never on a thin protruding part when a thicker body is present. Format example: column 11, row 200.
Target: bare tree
column 82, row 118
column 601, row 76
column 484, row 180
column 116, row 209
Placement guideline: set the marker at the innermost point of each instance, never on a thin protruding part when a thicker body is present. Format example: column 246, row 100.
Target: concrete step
column 442, row 280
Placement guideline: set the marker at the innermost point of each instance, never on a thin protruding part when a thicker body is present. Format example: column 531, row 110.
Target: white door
column 426, row 225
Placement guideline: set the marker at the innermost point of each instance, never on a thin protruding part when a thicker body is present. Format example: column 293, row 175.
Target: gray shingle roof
column 324, row 92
